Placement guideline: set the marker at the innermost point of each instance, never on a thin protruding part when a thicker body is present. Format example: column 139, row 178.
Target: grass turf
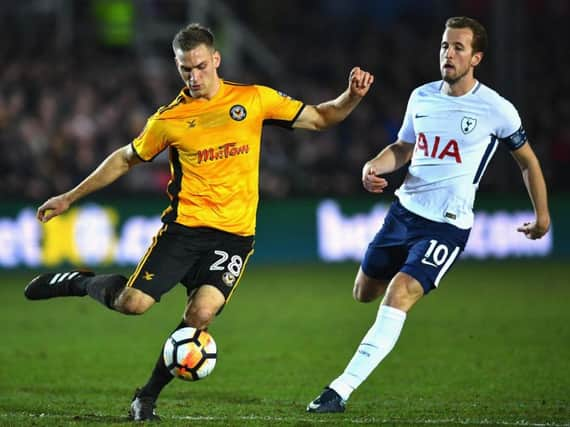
column 491, row 347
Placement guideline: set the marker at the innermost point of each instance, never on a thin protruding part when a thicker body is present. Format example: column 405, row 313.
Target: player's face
column 456, row 56
column 199, row 70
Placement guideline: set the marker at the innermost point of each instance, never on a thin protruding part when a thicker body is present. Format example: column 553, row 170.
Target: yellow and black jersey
column 214, row 153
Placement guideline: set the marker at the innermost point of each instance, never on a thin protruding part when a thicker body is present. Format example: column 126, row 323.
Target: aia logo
column 238, row 112
column 437, row 149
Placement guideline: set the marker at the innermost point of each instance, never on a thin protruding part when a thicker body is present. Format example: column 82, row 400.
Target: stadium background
column 79, row 78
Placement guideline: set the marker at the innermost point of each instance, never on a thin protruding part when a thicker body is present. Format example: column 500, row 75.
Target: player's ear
column 476, row 58
column 217, row 58
column 176, row 54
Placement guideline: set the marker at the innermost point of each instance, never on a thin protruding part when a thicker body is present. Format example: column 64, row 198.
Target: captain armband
column 516, row 140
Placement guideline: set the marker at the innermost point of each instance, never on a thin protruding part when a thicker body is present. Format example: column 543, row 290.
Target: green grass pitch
column 490, row 347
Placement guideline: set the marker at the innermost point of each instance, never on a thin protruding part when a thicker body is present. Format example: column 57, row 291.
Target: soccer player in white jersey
column 450, row 131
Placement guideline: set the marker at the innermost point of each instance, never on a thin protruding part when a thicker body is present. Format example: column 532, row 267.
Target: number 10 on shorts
column 439, row 256
column 436, row 254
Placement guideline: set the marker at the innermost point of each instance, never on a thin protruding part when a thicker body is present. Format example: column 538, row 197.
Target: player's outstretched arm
column 326, row 114
column 391, row 158
column 536, row 187
column 113, row 167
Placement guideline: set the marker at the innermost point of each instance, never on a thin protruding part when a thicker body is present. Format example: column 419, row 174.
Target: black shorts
column 193, row 256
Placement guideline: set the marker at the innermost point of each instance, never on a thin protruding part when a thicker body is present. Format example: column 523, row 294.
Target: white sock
column 375, row 346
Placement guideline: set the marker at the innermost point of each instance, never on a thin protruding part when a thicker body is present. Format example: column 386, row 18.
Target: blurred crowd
column 63, row 111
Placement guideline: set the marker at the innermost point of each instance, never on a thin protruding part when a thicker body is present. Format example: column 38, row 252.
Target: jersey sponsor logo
column 438, row 150
column 238, row 112
column 222, row 152
column 468, row 124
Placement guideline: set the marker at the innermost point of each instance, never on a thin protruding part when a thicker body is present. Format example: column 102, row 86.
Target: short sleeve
column 508, row 119
column 278, row 108
column 151, row 141
column 407, row 132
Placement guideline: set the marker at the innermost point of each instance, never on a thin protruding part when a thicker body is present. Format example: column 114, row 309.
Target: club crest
column 228, row 279
column 238, row 112
column 468, row 124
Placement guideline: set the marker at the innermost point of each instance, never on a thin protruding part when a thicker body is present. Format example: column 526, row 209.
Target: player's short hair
column 479, row 43
column 191, row 36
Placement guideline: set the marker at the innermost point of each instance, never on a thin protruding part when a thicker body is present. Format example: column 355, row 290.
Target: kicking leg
column 108, row 289
column 200, row 311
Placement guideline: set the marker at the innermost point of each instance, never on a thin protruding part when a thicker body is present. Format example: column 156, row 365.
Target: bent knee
column 133, row 301
column 360, row 294
column 199, row 317
column 404, row 291
column 367, row 290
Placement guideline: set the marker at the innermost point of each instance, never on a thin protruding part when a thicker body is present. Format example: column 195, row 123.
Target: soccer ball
column 190, row 354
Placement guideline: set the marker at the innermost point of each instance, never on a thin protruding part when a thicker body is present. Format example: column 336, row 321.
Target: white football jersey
column 455, row 138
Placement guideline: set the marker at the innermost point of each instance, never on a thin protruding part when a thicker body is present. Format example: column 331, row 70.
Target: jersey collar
column 471, row 91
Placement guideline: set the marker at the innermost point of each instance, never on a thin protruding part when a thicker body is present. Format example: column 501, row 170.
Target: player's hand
column 371, row 181
column 52, row 208
column 532, row 230
column 359, row 82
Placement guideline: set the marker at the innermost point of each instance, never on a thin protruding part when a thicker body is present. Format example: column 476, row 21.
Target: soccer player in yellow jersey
column 213, row 133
